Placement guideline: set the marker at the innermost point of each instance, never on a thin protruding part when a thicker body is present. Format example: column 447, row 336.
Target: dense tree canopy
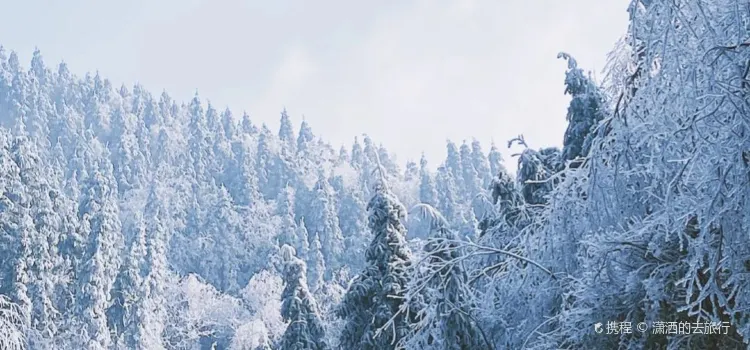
column 130, row 221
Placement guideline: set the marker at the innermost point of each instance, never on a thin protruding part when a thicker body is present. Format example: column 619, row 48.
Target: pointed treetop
column 287, row 253
column 123, row 90
column 62, row 69
column 423, row 161
column 381, row 181
column 13, row 62
column 37, row 62
column 286, row 132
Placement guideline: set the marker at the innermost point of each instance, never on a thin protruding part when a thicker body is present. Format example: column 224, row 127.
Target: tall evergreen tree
column 472, row 183
column 96, row 114
column 247, row 126
column 447, row 195
column 587, row 108
column 305, row 139
column 16, row 234
column 269, row 167
column 495, row 159
column 153, row 310
column 99, row 215
column 481, row 164
column 357, row 158
column 302, row 245
column 453, row 161
column 447, row 321
column 44, row 266
column 412, row 171
column 352, row 215
column 41, row 110
column 298, row 308
column 285, row 211
column 286, row 132
column 427, row 192
column 223, row 238
column 229, row 125
column 317, row 263
column 197, row 144
column 324, row 222
column 128, row 289
column 375, row 295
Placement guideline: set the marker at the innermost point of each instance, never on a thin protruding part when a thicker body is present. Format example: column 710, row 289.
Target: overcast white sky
column 411, row 73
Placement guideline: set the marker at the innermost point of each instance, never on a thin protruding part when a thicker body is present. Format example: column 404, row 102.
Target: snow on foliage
column 11, row 326
column 129, row 220
column 262, row 296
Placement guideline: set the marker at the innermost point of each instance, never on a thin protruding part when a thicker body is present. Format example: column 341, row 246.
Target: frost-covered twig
column 11, row 326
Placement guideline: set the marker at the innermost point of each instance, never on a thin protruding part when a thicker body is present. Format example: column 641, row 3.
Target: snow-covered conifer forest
column 129, row 220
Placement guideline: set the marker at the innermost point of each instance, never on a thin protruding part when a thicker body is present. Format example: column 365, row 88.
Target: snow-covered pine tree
column 442, row 285
column 412, row 172
column 127, row 291
column 247, row 126
column 41, row 110
column 343, row 157
column 481, row 164
column 19, row 98
column 228, row 125
column 137, row 315
column 495, row 159
column 472, row 183
column 387, row 162
column 223, row 236
column 375, row 296
column 305, row 139
column 16, row 234
column 96, row 101
column 44, row 265
column 265, row 163
column 302, row 245
column 587, row 108
column 323, row 221
column 317, row 263
column 153, row 317
column 285, row 210
column 128, row 161
column 197, row 145
column 99, row 216
column 357, row 155
column 299, row 310
column 352, row 215
column 286, row 133
column 242, row 176
column 69, row 247
column 453, row 162
column 427, row 192
column 447, row 195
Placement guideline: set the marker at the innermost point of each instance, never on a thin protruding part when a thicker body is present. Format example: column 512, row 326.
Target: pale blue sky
column 410, row 73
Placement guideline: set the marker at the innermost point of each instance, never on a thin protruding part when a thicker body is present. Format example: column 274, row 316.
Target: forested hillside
column 130, row 220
